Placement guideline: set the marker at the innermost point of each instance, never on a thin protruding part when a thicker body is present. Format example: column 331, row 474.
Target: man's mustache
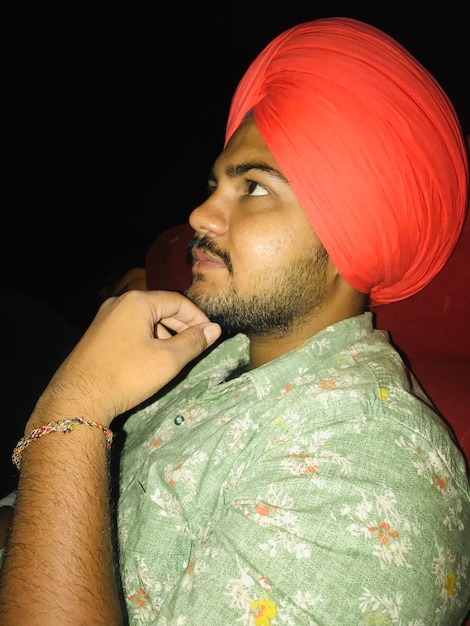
column 207, row 245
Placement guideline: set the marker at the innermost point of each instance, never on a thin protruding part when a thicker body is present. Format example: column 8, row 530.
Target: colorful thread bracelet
column 62, row 426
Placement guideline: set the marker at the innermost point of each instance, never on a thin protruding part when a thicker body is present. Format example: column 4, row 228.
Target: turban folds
column 371, row 146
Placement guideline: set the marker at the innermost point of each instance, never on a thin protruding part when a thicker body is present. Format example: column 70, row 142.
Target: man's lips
column 202, row 260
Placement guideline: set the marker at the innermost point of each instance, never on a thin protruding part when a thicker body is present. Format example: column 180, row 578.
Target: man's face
column 258, row 266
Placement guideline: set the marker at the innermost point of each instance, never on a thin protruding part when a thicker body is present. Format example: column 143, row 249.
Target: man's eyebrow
column 234, row 171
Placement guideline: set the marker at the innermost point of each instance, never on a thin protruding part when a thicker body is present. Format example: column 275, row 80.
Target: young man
column 295, row 473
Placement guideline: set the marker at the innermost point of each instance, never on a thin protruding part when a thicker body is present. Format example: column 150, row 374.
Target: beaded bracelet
column 62, row 426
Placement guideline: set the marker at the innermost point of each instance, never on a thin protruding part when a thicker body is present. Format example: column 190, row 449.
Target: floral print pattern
column 317, row 489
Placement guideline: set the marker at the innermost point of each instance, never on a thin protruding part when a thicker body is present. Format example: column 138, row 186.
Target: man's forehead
column 246, row 146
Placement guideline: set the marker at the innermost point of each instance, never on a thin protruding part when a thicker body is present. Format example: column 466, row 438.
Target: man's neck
column 269, row 347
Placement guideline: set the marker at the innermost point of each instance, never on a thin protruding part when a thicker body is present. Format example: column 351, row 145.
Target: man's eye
column 255, row 189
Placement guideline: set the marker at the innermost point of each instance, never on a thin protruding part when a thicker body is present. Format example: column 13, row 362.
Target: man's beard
column 284, row 298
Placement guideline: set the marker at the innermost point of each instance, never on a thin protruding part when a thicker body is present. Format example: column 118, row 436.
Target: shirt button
column 179, row 419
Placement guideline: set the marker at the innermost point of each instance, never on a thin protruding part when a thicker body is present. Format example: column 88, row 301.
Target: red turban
column 371, row 146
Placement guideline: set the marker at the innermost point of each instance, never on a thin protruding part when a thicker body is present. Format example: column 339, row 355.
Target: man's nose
column 209, row 219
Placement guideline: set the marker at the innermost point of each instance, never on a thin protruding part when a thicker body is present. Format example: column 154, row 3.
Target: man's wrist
column 61, row 426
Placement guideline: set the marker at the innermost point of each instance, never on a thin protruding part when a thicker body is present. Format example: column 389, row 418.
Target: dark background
column 114, row 111
column 112, row 114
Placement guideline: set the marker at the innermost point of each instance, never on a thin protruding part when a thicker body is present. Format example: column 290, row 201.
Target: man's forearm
column 59, row 567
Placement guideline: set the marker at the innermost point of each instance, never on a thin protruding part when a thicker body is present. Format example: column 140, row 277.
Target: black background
column 113, row 113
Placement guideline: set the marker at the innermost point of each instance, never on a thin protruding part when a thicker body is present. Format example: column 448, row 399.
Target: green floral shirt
column 320, row 489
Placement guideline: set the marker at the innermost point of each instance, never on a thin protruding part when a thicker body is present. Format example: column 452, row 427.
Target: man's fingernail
column 212, row 332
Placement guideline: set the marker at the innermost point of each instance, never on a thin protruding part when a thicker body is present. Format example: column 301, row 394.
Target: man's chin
column 207, row 302
column 195, row 291
column 199, row 294
column 201, row 291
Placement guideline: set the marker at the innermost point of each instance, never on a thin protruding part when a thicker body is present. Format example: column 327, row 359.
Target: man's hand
column 135, row 345
column 60, row 548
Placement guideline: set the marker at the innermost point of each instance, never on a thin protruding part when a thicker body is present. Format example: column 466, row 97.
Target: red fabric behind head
column 434, row 324
column 371, row 146
column 166, row 263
